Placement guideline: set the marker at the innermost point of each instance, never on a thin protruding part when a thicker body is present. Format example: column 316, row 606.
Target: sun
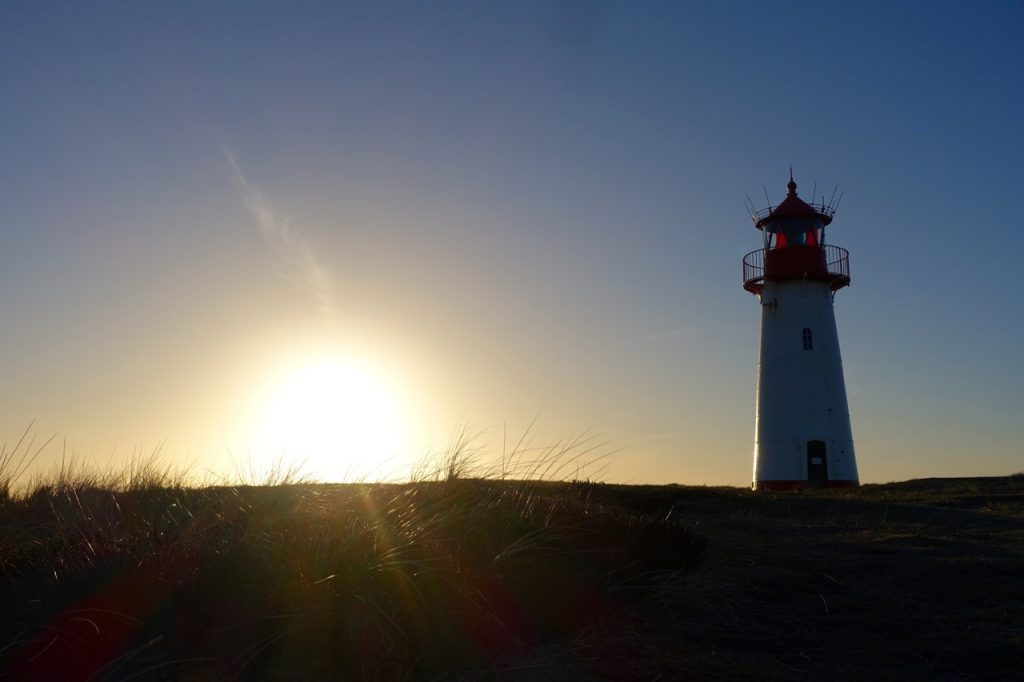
column 338, row 416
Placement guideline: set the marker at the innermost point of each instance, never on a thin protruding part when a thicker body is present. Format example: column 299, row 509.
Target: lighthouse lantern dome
column 794, row 222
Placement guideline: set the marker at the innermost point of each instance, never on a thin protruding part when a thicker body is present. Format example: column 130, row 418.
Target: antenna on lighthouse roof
column 765, row 190
column 751, row 209
column 814, row 191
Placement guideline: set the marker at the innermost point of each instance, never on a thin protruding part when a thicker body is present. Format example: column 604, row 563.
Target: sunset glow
column 338, row 416
column 334, row 233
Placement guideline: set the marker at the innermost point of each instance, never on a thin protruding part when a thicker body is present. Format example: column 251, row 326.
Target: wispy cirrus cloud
column 672, row 333
column 296, row 261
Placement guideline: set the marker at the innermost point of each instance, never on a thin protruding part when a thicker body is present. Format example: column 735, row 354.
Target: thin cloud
column 670, row 333
column 296, row 261
column 656, row 437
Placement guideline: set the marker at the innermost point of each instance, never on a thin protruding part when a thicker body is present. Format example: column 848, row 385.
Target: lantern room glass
column 796, row 231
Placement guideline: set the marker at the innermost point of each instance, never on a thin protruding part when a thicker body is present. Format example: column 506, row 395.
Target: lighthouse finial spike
column 791, row 185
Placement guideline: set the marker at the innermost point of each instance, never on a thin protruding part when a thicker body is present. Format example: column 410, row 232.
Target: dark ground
column 921, row 580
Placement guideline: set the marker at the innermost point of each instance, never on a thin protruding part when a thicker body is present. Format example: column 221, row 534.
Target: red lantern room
column 794, row 245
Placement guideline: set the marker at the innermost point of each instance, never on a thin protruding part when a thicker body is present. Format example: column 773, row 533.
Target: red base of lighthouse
column 788, row 486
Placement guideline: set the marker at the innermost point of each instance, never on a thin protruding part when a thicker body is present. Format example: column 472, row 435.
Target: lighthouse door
column 817, row 462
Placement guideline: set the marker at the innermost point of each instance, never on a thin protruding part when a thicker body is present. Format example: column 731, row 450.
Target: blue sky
column 506, row 209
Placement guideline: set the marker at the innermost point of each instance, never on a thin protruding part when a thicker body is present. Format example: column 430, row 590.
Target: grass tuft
column 138, row 574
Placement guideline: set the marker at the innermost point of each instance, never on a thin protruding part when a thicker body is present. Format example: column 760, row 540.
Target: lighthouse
column 802, row 419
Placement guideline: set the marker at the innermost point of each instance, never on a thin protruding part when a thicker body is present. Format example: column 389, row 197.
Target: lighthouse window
column 808, row 340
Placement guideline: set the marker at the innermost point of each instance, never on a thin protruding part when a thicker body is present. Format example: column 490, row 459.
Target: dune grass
column 139, row 575
column 494, row 570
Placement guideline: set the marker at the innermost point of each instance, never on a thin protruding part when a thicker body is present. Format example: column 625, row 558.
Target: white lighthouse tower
column 802, row 425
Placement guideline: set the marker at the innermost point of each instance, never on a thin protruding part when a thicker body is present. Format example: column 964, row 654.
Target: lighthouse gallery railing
column 837, row 260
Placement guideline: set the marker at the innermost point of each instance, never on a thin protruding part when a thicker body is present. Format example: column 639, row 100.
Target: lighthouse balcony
column 828, row 263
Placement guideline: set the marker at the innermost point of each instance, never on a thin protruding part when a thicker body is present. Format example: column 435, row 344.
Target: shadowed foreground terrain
column 480, row 579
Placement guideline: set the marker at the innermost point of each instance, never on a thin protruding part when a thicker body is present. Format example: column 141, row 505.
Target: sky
column 230, row 231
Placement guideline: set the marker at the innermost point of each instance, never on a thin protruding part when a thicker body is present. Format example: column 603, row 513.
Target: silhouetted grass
column 137, row 574
column 141, row 576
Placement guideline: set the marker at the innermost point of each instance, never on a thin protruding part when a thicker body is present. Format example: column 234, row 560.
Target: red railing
column 837, row 262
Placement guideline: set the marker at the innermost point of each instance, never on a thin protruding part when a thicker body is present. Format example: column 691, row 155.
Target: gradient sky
column 503, row 210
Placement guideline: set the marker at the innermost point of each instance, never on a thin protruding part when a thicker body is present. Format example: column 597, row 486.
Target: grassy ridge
column 491, row 579
column 319, row 581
